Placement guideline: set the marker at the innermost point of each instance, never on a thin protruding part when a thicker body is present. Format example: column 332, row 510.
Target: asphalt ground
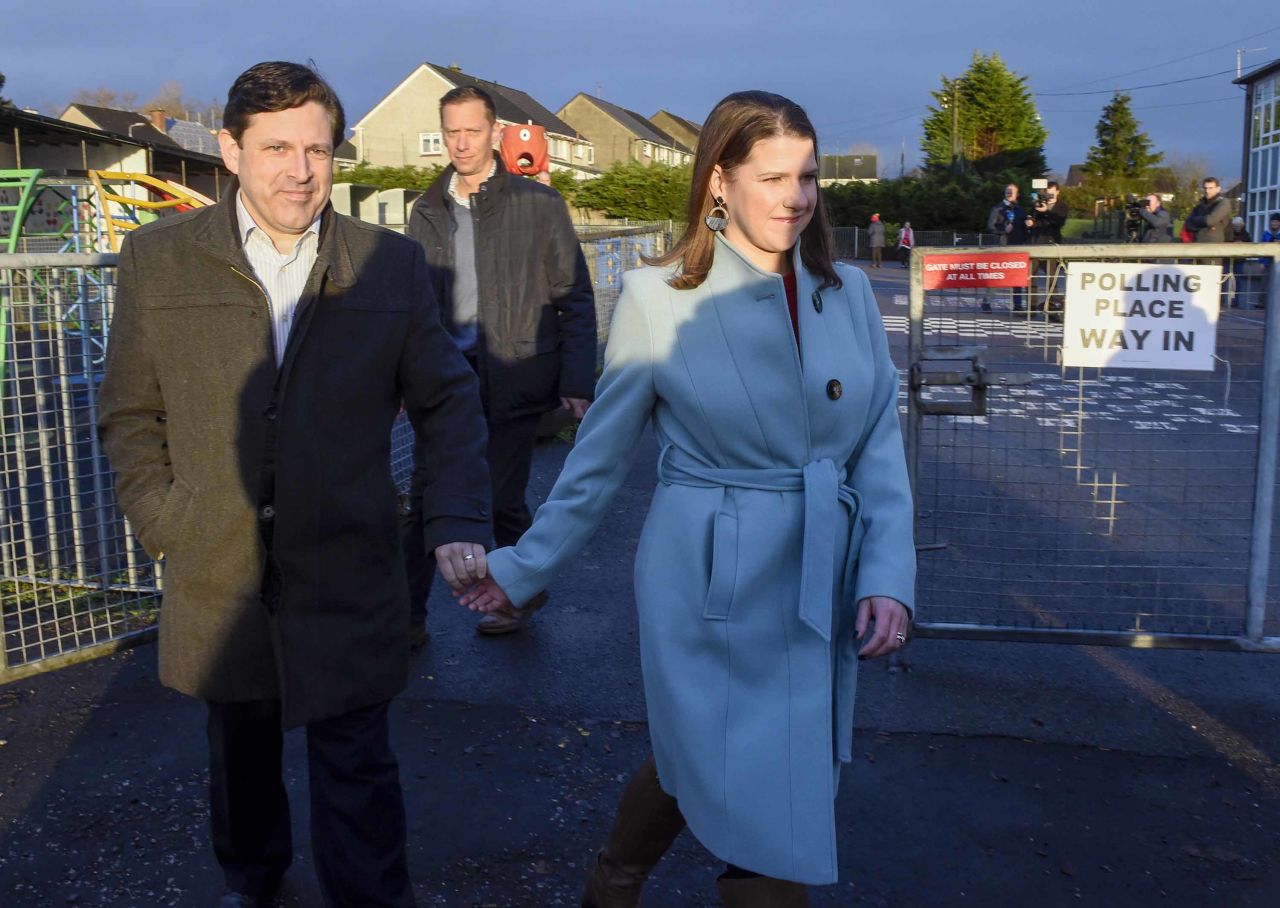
column 986, row 773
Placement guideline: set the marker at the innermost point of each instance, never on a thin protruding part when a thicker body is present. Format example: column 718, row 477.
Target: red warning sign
column 970, row 270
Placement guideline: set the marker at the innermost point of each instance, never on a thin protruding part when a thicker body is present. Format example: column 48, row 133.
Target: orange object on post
column 524, row 149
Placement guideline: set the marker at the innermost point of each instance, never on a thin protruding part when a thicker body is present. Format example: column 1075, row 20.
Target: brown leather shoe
column 508, row 619
column 647, row 822
column 762, row 892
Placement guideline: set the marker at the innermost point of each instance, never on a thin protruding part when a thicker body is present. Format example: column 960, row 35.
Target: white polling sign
column 1141, row 316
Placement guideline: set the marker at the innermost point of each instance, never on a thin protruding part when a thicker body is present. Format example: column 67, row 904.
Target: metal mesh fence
column 1104, row 500
column 611, row 250
column 73, row 577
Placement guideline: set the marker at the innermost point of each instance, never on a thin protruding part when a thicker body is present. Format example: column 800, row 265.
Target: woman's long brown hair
column 732, row 129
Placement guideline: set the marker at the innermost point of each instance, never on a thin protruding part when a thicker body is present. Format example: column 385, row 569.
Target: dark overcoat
column 267, row 489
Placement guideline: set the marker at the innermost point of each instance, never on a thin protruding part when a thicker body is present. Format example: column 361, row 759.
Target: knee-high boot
column 647, row 822
column 761, row 892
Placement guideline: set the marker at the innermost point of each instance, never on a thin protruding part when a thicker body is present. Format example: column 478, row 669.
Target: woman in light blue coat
column 780, row 529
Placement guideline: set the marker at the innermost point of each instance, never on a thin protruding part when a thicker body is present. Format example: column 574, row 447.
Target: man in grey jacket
column 516, row 297
column 875, row 233
column 1209, row 219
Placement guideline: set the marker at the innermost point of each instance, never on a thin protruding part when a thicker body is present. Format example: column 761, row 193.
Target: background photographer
column 1047, row 216
column 1159, row 228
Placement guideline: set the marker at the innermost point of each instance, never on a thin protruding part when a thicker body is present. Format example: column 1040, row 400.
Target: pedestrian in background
column 1209, row 221
column 780, row 530
column 260, row 350
column 1246, row 273
column 906, row 242
column 875, row 233
column 1010, row 225
column 1272, row 233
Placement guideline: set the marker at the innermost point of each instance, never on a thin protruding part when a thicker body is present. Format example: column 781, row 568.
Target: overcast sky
column 864, row 71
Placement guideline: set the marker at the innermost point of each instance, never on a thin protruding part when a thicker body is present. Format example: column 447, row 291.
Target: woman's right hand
column 484, row 596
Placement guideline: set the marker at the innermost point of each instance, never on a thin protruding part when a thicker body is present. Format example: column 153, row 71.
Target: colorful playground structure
column 91, row 213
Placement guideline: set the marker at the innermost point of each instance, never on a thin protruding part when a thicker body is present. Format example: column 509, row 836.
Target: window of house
column 663, row 154
column 430, row 143
column 558, row 148
column 648, row 150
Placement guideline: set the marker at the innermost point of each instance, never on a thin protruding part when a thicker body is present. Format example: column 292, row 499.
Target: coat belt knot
column 825, row 490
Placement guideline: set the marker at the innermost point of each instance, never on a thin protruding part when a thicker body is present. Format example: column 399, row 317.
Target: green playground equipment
column 24, row 181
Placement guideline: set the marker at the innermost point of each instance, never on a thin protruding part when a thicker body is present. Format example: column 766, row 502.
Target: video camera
column 1133, row 220
column 1135, row 204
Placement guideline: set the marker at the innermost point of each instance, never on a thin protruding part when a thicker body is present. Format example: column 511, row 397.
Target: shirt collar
column 247, row 224
column 465, row 201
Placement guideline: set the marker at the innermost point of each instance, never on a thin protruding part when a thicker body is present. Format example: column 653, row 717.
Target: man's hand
column 461, row 564
column 575, row 405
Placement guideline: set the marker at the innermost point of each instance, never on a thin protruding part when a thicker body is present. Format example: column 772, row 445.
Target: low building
column 1260, row 190
column 403, row 129
column 157, row 127
column 838, row 169
column 620, row 135
column 30, row 140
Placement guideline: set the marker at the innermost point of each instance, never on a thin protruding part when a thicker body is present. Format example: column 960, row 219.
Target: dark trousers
column 510, row 456
column 357, row 809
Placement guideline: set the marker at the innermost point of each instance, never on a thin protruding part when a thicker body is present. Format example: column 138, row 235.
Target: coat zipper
column 271, row 312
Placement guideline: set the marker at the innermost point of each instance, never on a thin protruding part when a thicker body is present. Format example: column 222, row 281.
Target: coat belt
column 824, row 489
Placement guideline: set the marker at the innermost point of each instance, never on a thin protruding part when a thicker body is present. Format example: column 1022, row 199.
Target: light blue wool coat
column 776, row 510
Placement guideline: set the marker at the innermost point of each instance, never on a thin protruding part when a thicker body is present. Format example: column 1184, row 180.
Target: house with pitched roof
column 158, row 129
column 621, row 135
column 684, row 130
column 403, row 129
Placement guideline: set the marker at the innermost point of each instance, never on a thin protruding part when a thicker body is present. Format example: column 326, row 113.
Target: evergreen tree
column 998, row 128
column 4, row 102
column 1122, row 159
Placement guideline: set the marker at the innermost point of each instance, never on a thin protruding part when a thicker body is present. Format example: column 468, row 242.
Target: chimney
column 158, row 119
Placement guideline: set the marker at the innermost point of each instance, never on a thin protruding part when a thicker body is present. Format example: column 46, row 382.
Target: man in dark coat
column 1045, row 219
column 516, row 297
column 1011, row 225
column 259, row 352
column 1209, row 219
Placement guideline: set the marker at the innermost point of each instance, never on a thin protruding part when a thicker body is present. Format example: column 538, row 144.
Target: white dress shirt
column 282, row 275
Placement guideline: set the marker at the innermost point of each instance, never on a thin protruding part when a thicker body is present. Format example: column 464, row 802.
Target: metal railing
column 1102, row 505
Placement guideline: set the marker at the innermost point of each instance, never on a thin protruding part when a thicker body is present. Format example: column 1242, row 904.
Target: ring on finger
column 902, row 638
column 469, row 557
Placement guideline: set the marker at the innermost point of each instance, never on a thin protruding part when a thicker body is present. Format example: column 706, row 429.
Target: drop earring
column 718, row 221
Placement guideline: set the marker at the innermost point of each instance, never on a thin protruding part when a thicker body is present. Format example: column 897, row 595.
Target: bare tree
column 168, row 99
column 105, row 97
column 1182, row 174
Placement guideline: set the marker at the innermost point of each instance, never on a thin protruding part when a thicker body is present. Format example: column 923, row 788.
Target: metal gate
column 1110, row 506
